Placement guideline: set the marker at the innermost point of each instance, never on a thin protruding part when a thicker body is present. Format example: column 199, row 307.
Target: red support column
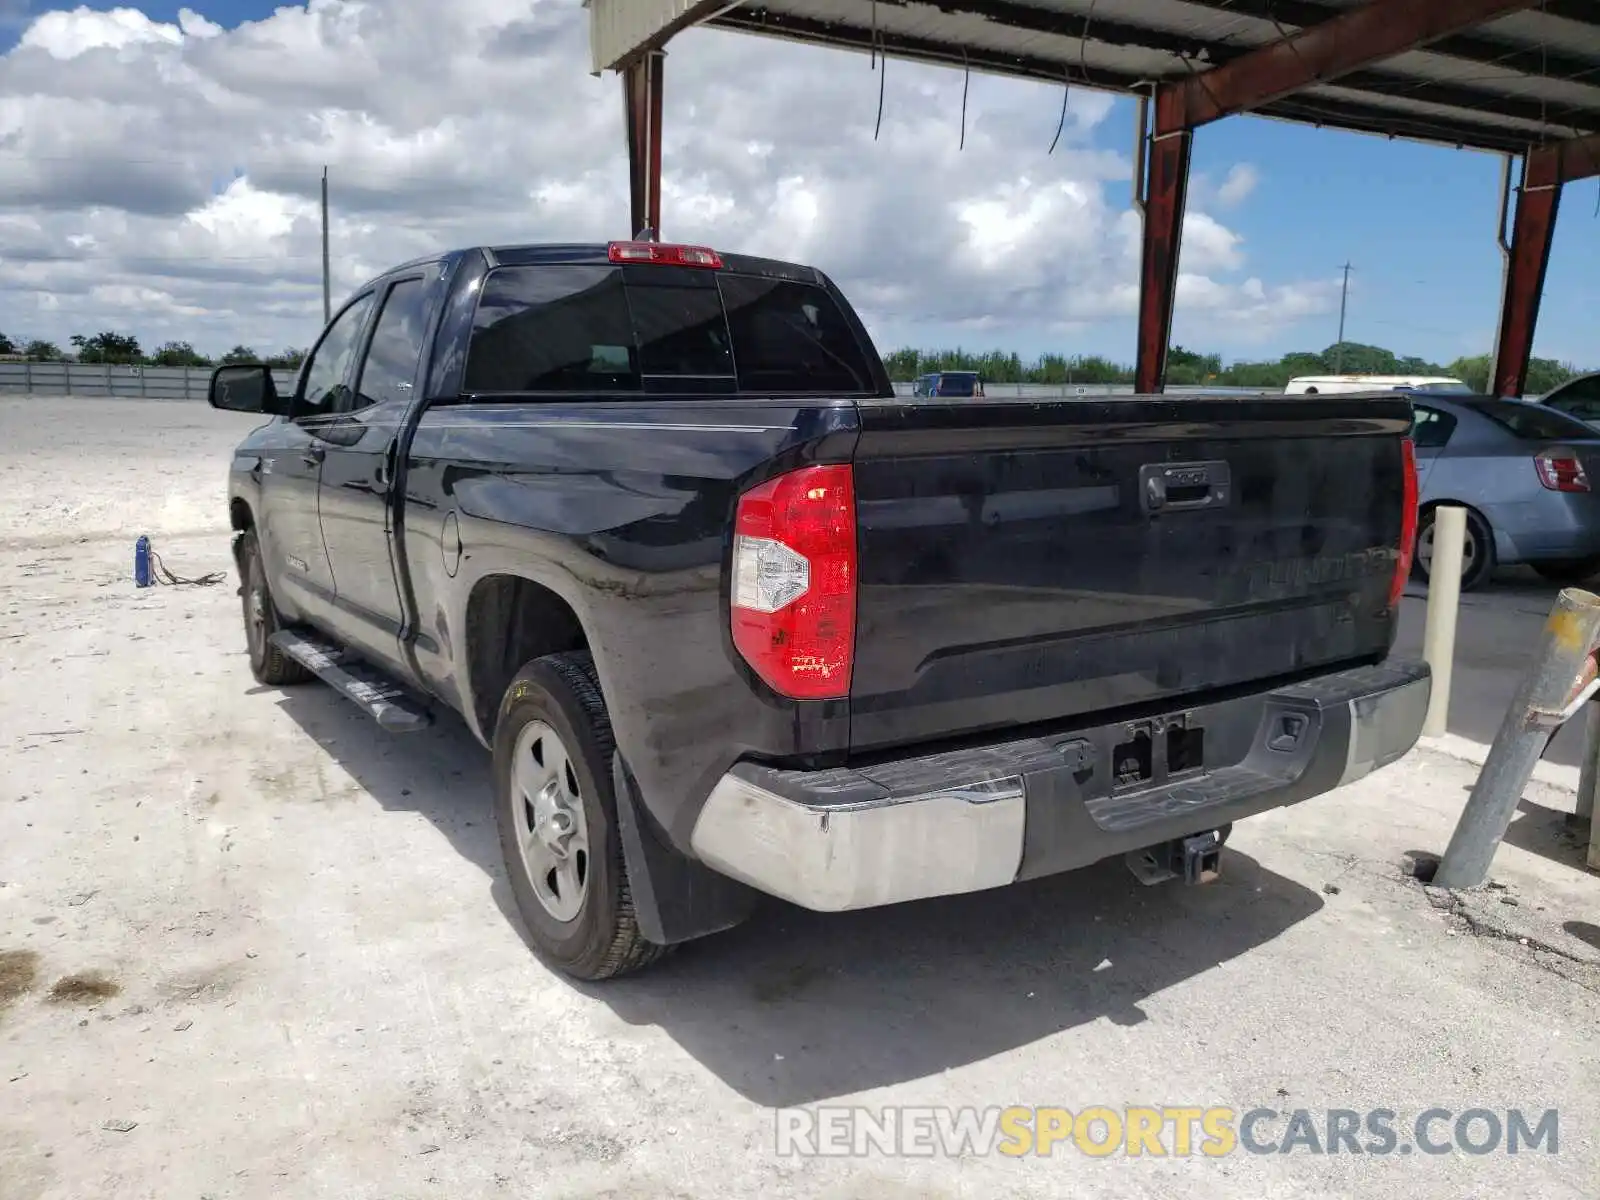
column 1163, row 237
column 1519, row 308
column 1545, row 170
column 641, row 95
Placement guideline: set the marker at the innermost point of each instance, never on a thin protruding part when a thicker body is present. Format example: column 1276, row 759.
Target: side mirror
column 245, row 387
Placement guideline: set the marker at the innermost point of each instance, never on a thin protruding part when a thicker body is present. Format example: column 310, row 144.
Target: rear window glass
column 1532, row 421
column 591, row 328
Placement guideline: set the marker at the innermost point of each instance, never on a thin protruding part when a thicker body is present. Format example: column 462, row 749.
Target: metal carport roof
column 1520, row 77
column 1525, row 77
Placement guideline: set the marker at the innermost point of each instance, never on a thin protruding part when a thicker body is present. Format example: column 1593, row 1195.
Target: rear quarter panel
column 624, row 510
column 1492, row 472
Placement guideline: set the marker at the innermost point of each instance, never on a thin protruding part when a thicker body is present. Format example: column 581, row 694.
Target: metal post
column 1589, row 770
column 1444, row 600
column 1557, row 674
column 1505, row 261
column 1338, row 347
column 327, row 287
column 1166, row 194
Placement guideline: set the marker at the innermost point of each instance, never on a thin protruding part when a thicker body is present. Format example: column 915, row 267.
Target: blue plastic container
column 141, row 562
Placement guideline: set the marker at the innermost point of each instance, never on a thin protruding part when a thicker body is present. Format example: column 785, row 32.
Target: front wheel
column 268, row 664
column 557, row 819
column 1568, row 570
column 1477, row 550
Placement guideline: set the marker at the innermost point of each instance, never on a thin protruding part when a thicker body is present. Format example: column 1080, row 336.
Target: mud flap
column 675, row 898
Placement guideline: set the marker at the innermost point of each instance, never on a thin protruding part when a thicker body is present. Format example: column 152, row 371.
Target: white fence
column 190, row 383
column 1086, row 390
column 133, row 383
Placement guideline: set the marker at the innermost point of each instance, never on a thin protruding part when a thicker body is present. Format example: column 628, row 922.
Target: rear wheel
column 557, row 819
column 1477, row 550
column 268, row 664
column 1568, row 570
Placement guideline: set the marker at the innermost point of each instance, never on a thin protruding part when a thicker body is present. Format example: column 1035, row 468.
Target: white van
column 1311, row 385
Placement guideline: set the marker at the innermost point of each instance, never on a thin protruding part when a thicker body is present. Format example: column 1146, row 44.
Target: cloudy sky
column 159, row 172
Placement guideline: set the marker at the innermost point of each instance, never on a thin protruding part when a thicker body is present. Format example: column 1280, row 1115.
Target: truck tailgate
column 1031, row 561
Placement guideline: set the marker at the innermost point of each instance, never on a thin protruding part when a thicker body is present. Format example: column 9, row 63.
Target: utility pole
column 327, row 292
column 1344, row 295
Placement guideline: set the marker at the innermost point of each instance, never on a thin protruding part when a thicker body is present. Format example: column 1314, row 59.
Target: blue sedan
column 1526, row 475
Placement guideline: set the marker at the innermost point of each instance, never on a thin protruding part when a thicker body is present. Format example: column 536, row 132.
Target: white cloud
column 163, row 178
column 1241, row 181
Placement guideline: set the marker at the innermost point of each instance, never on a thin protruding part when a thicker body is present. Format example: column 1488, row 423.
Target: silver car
column 1577, row 397
column 1526, row 475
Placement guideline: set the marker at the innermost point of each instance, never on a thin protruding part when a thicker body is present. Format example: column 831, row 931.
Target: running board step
column 384, row 700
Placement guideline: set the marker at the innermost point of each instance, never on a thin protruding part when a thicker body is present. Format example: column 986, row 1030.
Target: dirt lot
column 251, row 947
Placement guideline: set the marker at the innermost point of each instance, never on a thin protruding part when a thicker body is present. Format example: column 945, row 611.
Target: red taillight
column 1560, row 471
column 1408, row 523
column 794, row 582
column 668, row 255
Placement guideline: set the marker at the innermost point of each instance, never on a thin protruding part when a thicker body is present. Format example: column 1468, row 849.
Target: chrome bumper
column 964, row 839
column 960, row 821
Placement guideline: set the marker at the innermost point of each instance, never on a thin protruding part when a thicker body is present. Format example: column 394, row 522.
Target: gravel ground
column 252, row 947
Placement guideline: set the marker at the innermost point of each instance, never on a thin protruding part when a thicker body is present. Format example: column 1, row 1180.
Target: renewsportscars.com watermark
column 1175, row 1131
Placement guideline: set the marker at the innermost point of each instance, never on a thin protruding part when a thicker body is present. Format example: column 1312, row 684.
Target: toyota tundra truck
column 734, row 618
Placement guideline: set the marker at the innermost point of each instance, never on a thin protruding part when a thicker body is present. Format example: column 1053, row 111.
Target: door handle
column 1165, row 487
column 313, row 455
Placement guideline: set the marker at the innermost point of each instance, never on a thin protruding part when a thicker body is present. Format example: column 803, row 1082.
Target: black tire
column 602, row 940
column 1477, row 557
column 268, row 664
column 1568, row 570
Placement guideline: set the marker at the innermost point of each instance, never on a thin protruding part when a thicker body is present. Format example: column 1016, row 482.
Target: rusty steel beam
column 1561, row 162
column 1158, row 269
column 641, row 96
column 1544, row 173
column 1531, row 237
column 1320, row 53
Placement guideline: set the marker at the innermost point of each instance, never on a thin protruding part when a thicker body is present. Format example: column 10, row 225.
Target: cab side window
column 325, row 375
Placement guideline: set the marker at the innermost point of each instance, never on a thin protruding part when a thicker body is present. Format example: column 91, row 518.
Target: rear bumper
column 965, row 820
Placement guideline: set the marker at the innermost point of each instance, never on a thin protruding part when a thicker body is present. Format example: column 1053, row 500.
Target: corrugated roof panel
column 620, row 28
column 1528, row 76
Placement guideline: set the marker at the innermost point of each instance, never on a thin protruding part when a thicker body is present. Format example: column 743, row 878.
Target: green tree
column 179, row 354
column 288, row 359
column 108, row 347
column 240, row 354
column 1472, row 370
column 7, row 346
column 42, row 351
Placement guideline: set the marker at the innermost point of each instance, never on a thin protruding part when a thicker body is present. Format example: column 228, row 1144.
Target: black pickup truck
column 732, row 616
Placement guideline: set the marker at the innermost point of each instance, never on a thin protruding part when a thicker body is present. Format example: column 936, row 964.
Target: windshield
column 1534, row 422
column 1452, row 388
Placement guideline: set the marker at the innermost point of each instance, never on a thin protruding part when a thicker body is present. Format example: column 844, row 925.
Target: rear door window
column 552, row 329
column 579, row 328
column 1431, row 428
